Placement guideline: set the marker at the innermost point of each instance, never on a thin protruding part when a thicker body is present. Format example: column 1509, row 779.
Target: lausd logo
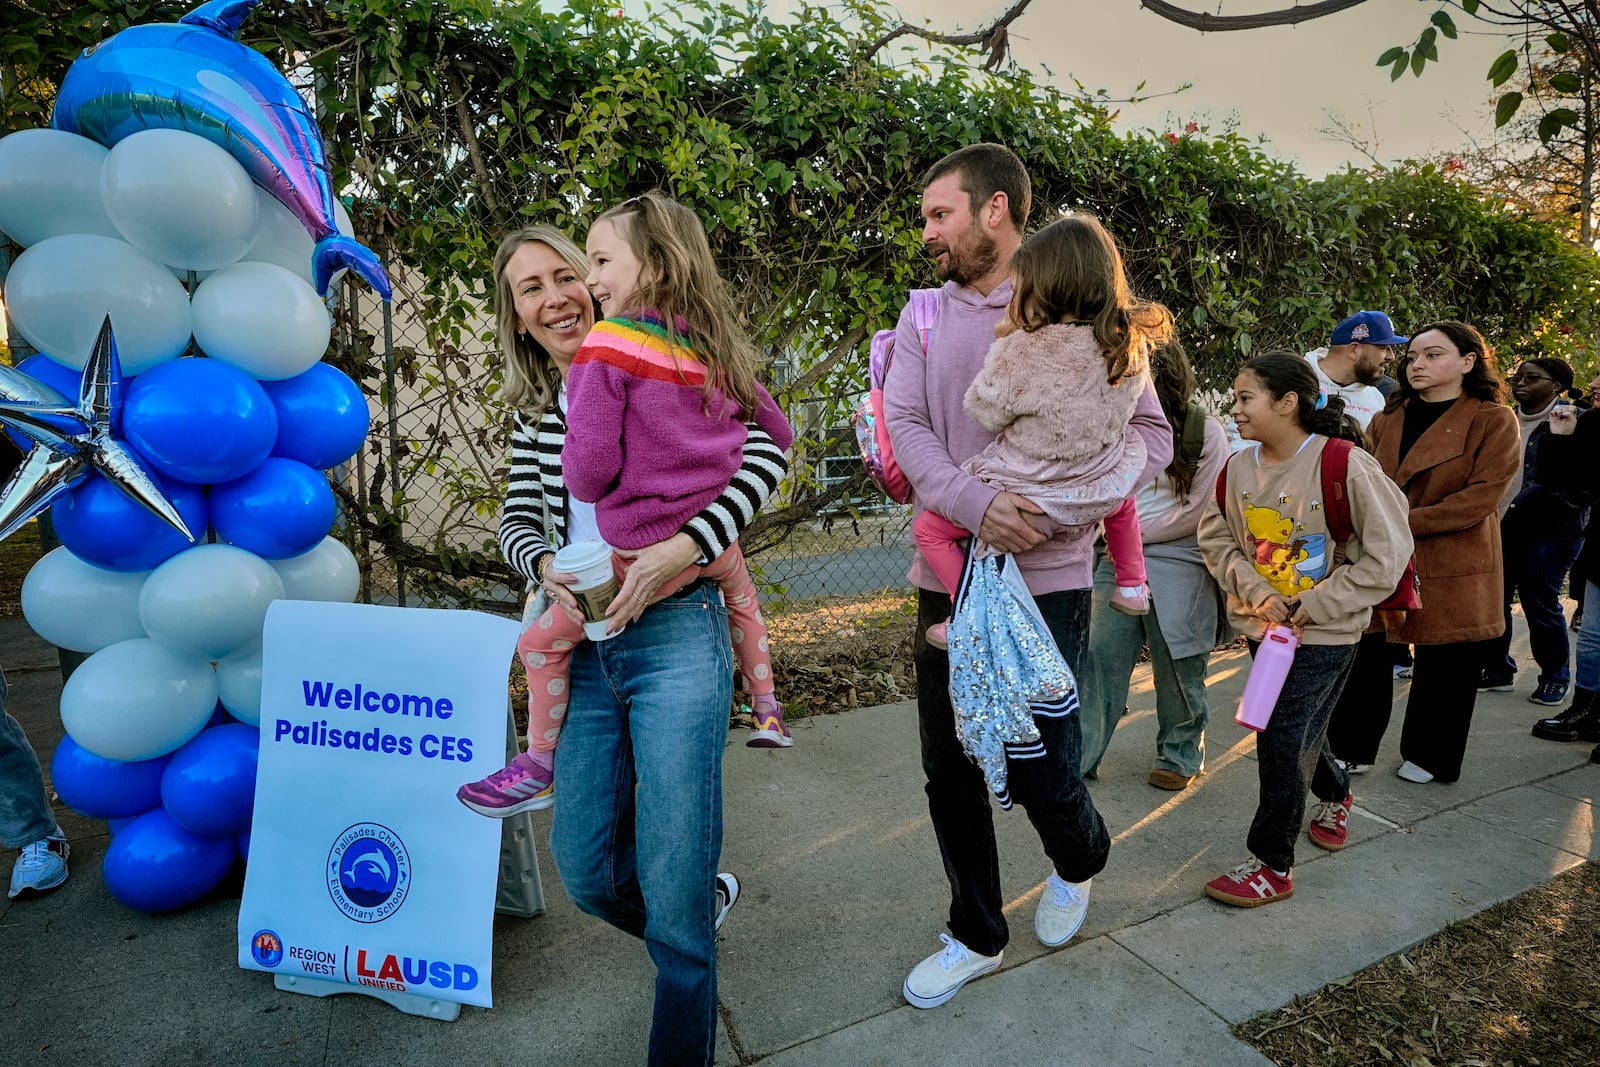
column 369, row 872
column 399, row 973
column 266, row 948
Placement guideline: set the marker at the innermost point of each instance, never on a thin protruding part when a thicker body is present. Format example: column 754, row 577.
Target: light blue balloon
column 322, row 416
column 155, row 865
column 101, row 525
column 199, row 421
column 281, row 509
column 209, row 785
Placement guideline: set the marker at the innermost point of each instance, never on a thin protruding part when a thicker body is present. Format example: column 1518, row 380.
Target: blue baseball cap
column 1368, row 328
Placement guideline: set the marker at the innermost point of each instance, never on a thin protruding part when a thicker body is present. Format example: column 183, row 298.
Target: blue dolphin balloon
column 192, row 75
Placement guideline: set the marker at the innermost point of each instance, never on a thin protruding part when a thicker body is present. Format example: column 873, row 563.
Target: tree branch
column 994, row 37
column 1206, row 23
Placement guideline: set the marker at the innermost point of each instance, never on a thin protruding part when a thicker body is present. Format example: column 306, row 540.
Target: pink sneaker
column 1329, row 824
column 770, row 731
column 1250, row 885
column 1131, row 600
column 522, row 786
column 938, row 636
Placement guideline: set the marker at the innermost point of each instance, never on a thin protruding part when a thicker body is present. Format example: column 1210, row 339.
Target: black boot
column 1579, row 722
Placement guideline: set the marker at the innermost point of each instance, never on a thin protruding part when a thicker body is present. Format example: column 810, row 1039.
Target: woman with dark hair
column 1271, row 549
column 1450, row 444
column 1183, row 624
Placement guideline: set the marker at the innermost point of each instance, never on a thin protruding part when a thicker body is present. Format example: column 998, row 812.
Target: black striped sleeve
column 522, row 536
column 715, row 529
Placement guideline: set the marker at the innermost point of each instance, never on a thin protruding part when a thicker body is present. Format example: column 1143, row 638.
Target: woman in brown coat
column 1452, row 446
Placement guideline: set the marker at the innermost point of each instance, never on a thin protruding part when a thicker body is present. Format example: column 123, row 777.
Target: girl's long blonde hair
column 679, row 280
column 1071, row 271
column 532, row 378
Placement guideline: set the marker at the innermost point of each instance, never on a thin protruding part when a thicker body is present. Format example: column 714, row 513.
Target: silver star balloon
column 73, row 439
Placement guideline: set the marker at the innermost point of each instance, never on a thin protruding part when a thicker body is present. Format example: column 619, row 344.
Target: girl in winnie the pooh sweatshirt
column 1058, row 388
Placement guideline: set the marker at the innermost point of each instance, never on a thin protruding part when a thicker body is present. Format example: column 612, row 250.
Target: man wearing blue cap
column 1352, row 365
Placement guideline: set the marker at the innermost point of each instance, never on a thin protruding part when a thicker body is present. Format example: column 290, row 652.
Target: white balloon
column 136, row 700
column 209, row 600
column 328, row 572
column 180, row 199
column 262, row 319
column 50, row 185
column 239, row 684
column 75, row 605
column 59, row 290
column 283, row 239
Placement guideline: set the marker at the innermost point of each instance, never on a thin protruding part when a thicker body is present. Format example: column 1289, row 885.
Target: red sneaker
column 1328, row 824
column 1250, row 885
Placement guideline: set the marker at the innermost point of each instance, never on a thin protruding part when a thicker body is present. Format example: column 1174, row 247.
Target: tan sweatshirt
column 1273, row 539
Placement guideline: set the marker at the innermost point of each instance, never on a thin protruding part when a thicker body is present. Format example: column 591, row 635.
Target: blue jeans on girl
column 25, row 815
column 638, row 802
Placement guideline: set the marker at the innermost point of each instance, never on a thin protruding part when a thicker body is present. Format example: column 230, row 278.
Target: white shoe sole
column 531, row 804
column 917, row 1001
column 730, row 888
column 769, row 739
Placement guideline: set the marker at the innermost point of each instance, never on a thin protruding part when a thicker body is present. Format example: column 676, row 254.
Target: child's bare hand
column 1277, row 610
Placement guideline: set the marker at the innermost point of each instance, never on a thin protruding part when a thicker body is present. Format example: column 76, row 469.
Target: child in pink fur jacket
column 1058, row 388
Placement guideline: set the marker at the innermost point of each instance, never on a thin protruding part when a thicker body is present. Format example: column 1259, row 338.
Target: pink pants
column 940, row 541
column 546, row 646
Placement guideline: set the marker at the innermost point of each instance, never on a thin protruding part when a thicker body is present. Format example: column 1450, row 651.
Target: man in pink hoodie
column 975, row 206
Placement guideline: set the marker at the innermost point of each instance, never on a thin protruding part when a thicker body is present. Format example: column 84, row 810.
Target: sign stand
column 444, row 1010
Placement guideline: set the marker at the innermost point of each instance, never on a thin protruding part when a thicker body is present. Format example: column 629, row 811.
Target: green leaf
column 1446, row 25
column 1566, row 82
column 1400, row 67
column 1558, row 43
column 1502, row 68
column 1390, row 56
column 1426, row 43
column 1506, row 108
column 1553, row 122
column 1419, row 59
column 1470, row 6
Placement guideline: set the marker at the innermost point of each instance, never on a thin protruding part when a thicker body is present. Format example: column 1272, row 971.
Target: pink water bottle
column 1267, row 673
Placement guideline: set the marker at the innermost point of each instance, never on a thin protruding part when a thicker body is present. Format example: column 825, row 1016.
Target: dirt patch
column 1517, row 984
column 18, row 554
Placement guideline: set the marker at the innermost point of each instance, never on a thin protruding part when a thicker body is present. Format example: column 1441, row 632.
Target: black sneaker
column 1579, row 722
column 1499, row 683
column 1550, row 694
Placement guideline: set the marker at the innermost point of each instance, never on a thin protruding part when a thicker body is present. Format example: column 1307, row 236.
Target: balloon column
column 185, row 481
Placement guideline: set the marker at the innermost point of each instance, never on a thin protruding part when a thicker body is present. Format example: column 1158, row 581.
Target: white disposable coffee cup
column 596, row 587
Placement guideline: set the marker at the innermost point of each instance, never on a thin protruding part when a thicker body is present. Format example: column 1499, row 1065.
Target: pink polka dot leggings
column 546, row 646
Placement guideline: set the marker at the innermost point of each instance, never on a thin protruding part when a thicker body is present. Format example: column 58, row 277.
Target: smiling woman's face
column 553, row 305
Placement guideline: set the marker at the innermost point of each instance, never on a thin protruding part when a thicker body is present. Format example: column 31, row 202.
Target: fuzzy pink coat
column 1062, row 431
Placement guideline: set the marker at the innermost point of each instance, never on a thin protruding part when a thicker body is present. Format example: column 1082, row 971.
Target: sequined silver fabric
column 1001, row 659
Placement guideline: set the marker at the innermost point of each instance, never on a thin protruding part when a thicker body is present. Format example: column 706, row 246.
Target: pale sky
column 1279, row 82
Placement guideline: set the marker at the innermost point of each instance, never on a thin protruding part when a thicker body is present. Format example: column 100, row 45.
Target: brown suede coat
column 1454, row 477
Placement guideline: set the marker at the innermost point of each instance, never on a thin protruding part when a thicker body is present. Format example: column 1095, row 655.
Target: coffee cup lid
column 581, row 556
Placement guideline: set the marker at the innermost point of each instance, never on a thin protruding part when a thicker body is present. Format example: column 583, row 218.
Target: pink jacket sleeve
column 770, row 418
column 591, row 459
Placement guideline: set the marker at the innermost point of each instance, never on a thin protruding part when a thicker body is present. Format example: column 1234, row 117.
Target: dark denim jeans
column 25, row 815
column 638, row 809
column 1534, row 571
column 1292, row 752
column 1049, row 789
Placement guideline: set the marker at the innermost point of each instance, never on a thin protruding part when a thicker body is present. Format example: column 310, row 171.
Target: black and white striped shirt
column 536, row 475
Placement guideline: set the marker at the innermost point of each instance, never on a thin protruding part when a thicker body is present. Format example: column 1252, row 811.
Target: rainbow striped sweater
column 643, row 444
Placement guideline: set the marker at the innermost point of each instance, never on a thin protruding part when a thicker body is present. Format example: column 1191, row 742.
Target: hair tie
column 1322, row 401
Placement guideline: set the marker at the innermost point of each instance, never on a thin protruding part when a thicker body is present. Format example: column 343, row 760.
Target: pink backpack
column 872, row 431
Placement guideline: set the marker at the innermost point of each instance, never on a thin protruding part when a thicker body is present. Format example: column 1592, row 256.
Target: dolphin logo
column 371, row 861
column 192, row 75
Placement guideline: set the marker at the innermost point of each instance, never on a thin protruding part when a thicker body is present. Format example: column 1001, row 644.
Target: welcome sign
column 364, row 868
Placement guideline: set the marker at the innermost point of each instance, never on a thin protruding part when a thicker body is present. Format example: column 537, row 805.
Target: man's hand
column 1007, row 526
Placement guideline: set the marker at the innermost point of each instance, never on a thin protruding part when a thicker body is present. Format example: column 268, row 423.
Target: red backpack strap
column 1335, row 468
column 1222, row 485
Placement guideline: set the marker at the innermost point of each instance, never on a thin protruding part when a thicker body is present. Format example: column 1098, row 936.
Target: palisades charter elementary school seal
column 368, row 872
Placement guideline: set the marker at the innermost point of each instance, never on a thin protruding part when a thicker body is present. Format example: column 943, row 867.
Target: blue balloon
column 116, row 825
column 322, row 417
column 58, row 376
column 199, row 420
column 104, row 788
column 156, row 865
column 209, row 786
column 101, row 525
column 244, row 845
column 282, row 508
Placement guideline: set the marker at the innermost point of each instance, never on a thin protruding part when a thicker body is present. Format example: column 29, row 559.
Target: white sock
column 1131, row 590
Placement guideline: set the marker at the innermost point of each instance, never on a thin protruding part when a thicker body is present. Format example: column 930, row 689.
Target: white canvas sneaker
column 941, row 976
column 1062, row 907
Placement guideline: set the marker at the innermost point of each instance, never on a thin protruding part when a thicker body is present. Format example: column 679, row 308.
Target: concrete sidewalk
column 843, row 893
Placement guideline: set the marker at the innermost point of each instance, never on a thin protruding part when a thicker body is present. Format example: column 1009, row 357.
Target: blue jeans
column 1535, row 571
column 638, row 802
column 1181, row 705
column 25, row 815
column 1587, row 674
column 1049, row 789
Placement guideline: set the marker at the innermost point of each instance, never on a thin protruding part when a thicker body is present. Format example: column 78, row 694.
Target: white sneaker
column 1412, row 773
column 1062, row 907
column 727, row 897
column 41, row 867
column 941, row 976
column 1354, row 768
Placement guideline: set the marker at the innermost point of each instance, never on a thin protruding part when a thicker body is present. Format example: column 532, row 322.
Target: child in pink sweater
column 658, row 396
column 1059, row 388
